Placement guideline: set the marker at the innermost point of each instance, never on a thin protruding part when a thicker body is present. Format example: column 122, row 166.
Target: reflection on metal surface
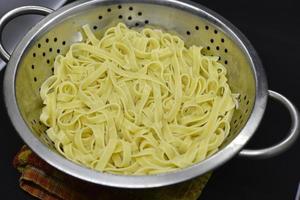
column 298, row 193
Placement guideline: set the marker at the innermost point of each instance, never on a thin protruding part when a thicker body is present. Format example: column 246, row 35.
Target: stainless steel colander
column 32, row 62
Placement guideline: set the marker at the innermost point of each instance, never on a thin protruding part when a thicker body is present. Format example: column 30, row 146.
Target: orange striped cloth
column 45, row 182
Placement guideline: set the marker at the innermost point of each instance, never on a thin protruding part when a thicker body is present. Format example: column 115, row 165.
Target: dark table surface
column 273, row 27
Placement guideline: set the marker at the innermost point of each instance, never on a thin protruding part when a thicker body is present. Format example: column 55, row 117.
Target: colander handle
column 284, row 144
column 24, row 10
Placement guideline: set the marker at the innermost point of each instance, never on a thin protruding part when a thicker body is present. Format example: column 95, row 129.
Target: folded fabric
column 45, row 182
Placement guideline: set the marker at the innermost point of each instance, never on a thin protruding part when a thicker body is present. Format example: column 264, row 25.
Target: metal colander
column 31, row 64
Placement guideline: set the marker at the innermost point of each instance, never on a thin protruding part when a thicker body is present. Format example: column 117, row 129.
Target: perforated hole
column 146, row 21
column 129, row 18
column 242, row 121
column 188, row 33
column 242, row 113
column 215, row 31
column 130, row 8
column 197, row 28
column 120, row 6
column 95, row 27
column 206, row 27
column 45, row 56
column 140, row 13
column 108, row 9
column 100, row 17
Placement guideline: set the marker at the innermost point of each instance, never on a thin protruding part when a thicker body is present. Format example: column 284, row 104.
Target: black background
column 273, row 27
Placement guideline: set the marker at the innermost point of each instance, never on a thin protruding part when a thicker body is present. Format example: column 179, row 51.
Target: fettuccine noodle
column 136, row 103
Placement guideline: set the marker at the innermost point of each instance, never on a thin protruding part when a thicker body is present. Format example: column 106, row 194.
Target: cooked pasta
column 136, row 103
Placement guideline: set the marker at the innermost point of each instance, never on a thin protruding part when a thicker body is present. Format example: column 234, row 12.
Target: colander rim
column 148, row 181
